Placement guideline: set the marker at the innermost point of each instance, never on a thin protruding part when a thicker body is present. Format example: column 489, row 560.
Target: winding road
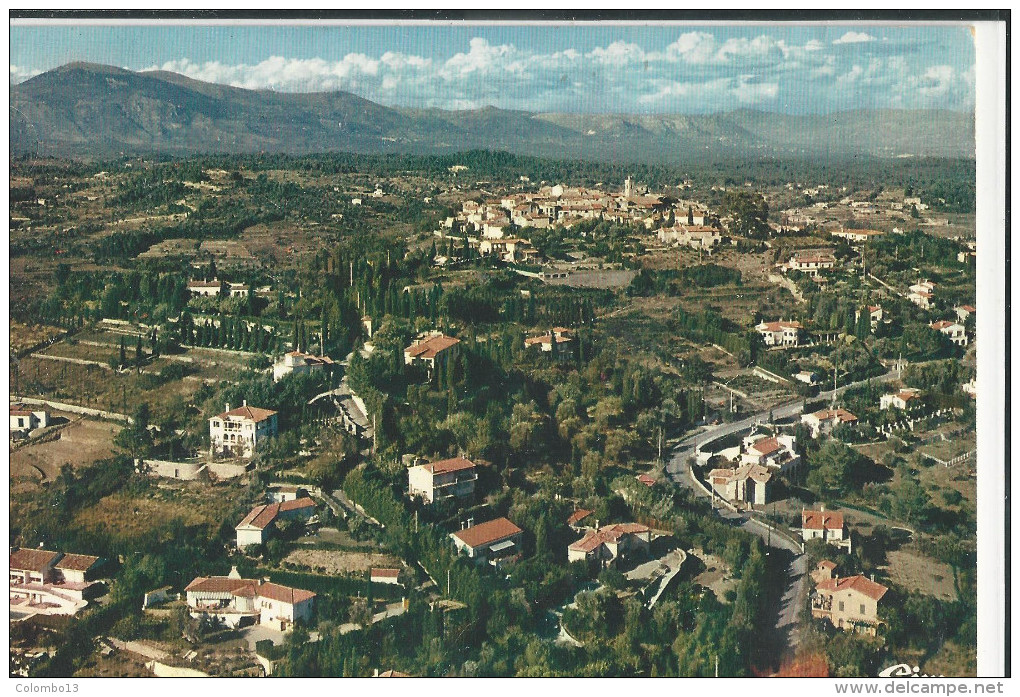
column 679, row 472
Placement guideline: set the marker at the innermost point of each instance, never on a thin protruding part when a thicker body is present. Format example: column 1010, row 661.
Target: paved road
column 679, row 472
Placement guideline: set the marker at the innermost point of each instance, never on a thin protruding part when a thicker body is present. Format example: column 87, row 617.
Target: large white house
column 906, row 399
column 300, row 363
column 238, row 601
column 748, row 483
column 430, row 348
column 604, row 546
column 956, row 332
column 774, row 452
column 205, row 288
column 50, row 583
column 811, row 263
column 780, row 333
column 237, row 432
column 922, row 294
column 445, row 479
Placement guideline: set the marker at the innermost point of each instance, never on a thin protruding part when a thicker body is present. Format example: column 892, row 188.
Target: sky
column 587, row 68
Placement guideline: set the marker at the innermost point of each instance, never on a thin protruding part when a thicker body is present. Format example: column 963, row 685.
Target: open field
column 80, row 444
column 130, row 517
column 916, row 572
column 340, row 562
column 25, row 336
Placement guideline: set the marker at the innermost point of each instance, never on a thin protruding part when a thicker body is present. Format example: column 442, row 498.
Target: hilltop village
column 482, row 415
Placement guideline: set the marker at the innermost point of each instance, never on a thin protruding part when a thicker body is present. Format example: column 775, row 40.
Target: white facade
column 437, row 481
column 236, row 433
column 780, row 333
column 297, row 362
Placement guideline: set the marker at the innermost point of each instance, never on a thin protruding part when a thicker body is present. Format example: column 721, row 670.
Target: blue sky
column 679, row 68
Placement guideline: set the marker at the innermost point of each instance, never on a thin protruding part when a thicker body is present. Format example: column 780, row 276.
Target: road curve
column 678, row 471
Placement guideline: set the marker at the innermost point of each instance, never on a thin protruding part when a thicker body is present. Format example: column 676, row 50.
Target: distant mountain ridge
column 90, row 109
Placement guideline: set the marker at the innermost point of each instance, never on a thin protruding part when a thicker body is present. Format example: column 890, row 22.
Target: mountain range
column 87, row 109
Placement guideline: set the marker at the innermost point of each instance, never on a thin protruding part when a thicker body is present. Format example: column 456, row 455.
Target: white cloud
column 854, row 37
column 617, row 53
column 695, row 72
column 20, row 73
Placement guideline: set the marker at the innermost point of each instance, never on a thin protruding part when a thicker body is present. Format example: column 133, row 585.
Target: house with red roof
column 50, row 583
column 954, row 330
column 780, row 333
column 811, row 263
column 575, row 518
column 773, row 452
column 824, row 525
column 747, row 483
column 237, row 432
column 388, row 576
column 441, row 480
column 850, row 603
column 906, row 399
column 604, row 546
column 561, row 335
column 240, row 601
column 491, row 541
column 431, row 347
column 256, row 527
column 300, row 363
column 822, row 422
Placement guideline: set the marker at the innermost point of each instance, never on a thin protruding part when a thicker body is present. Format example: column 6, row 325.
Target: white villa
column 237, row 432
column 780, row 333
column 300, row 363
column 239, row 601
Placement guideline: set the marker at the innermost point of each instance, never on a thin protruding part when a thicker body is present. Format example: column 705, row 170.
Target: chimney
column 244, row 402
column 463, row 525
column 375, row 673
column 227, row 407
column 234, row 573
column 596, row 524
column 471, row 522
column 822, row 508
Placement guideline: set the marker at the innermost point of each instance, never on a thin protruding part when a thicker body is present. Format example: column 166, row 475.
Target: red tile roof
column 303, row 502
column 384, row 573
column 219, row 584
column 76, row 562
column 861, row 584
column 261, row 516
column 286, row 594
column 488, row 533
column 841, row 415
column 766, row 446
column 826, row 564
column 822, row 520
column 32, row 559
column 393, row 674
column 253, row 413
column 430, row 348
column 578, row 515
column 611, row 533
column 646, row 479
column 455, row 464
